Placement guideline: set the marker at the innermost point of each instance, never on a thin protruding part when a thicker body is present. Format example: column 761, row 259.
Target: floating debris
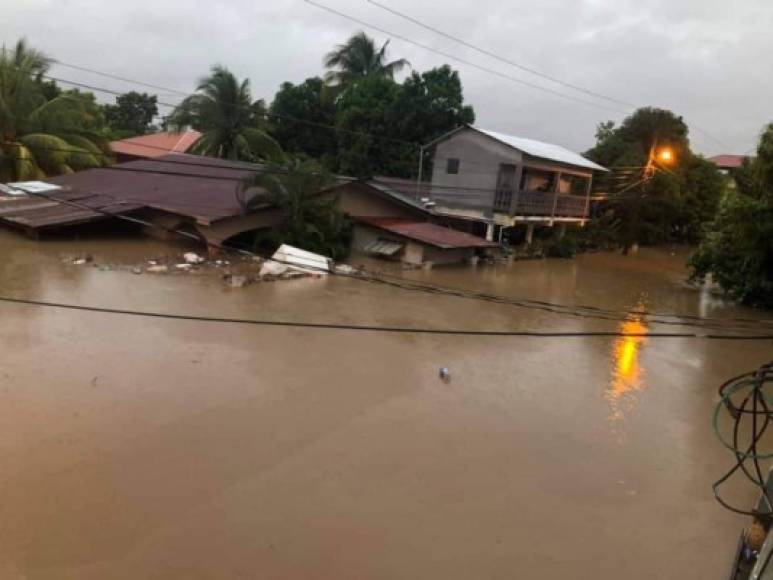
column 345, row 269
column 137, row 270
column 158, row 269
column 193, row 258
column 445, row 374
column 271, row 268
column 183, row 266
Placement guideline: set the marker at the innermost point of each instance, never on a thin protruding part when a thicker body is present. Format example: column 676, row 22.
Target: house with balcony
column 499, row 181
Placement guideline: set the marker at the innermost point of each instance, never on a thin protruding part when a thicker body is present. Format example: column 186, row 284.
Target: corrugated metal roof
column 427, row 232
column 187, row 191
column 402, row 190
column 543, row 150
column 156, row 144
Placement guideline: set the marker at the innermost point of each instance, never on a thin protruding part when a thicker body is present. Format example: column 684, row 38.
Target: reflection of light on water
column 626, row 371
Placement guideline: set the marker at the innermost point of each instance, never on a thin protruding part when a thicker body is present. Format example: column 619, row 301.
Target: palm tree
column 311, row 219
column 40, row 137
column 358, row 58
column 230, row 122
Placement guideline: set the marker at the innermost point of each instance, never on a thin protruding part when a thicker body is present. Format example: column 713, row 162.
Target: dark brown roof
column 201, row 188
column 156, row 144
column 427, row 233
column 728, row 161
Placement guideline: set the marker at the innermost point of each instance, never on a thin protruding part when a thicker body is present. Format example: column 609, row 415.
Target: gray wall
column 479, row 158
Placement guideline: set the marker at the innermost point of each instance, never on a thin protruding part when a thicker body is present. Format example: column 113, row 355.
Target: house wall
column 358, row 199
column 221, row 230
column 414, row 252
column 479, row 158
column 452, row 256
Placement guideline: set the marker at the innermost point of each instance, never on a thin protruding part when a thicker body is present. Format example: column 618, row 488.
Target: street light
column 666, row 155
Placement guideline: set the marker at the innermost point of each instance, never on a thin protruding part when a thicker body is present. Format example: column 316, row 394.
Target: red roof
column 728, row 161
column 155, row 144
column 428, row 233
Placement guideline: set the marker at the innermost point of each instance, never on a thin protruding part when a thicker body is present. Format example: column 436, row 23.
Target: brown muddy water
column 145, row 448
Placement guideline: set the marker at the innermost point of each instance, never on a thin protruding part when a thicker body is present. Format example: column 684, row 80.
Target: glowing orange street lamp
column 666, row 155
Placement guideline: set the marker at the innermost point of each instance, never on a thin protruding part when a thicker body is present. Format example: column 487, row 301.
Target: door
column 505, row 187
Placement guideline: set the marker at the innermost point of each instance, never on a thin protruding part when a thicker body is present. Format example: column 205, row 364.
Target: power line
column 175, row 106
column 498, row 57
column 459, row 59
column 375, row 328
column 480, row 67
column 581, row 311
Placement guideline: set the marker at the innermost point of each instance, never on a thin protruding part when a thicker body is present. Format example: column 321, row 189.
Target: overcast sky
column 708, row 60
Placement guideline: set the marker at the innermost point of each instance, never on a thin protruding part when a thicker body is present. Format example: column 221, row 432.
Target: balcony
column 540, row 203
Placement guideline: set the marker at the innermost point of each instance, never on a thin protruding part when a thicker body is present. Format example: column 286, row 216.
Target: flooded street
column 148, row 448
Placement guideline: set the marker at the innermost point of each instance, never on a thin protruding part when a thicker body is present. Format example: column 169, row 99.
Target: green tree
column 737, row 250
column 301, row 119
column 311, row 219
column 368, row 143
column 40, row 136
column 132, row 114
column 396, row 118
column 231, row 123
column 358, row 58
column 674, row 203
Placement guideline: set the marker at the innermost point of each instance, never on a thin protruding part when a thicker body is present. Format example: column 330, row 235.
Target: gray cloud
column 704, row 59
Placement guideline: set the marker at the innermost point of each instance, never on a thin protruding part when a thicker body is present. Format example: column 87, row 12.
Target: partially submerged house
column 390, row 222
column 201, row 196
column 502, row 181
column 153, row 145
column 189, row 192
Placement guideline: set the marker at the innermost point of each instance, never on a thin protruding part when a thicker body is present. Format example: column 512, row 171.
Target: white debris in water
column 445, row 374
column 193, row 258
column 271, row 268
column 159, row 269
column 183, row 266
column 345, row 269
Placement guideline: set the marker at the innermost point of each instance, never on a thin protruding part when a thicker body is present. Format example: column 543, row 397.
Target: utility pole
column 421, row 172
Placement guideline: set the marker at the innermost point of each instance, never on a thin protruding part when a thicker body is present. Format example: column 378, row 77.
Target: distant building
column 501, row 181
column 153, row 145
column 727, row 162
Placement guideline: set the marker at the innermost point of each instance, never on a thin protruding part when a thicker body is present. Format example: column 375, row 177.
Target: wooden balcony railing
column 540, row 203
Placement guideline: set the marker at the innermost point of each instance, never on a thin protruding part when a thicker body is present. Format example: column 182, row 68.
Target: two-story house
column 502, row 181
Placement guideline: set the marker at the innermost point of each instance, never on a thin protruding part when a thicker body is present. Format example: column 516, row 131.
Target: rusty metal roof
column 202, row 188
column 427, row 233
column 156, row 144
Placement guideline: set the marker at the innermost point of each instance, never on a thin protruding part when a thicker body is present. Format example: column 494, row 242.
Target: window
column 452, row 166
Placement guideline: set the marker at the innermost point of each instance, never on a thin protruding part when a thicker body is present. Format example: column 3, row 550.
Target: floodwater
column 149, row 448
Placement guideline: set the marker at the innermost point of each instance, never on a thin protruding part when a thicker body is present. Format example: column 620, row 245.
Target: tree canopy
column 358, row 58
column 231, row 123
column 44, row 132
column 737, row 250
column 132, row 114
column 671, row 204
